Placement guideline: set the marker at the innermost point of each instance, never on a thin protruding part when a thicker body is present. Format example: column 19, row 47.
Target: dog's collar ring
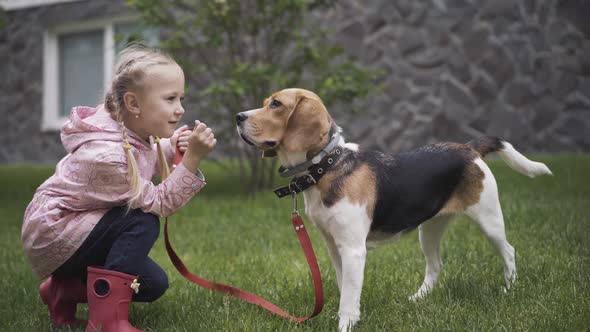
column 295, row 208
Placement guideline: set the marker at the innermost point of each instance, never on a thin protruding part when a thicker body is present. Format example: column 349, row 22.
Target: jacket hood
column 87, row 124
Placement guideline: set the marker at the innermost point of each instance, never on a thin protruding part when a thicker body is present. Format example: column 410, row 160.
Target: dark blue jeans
column 121, row 242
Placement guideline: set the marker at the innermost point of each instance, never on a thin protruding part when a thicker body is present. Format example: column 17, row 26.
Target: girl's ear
column 131, row 102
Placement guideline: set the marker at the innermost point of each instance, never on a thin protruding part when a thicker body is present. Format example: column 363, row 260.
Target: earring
column 137, row 116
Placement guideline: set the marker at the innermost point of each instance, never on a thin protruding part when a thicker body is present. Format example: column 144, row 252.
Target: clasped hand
column 195, row 144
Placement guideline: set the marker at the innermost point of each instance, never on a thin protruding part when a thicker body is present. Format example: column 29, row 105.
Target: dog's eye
column 275, row 103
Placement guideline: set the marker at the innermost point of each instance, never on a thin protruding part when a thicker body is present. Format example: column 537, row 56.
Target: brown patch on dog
column 360, row 187
column 308, row 127
column 468, row 190
column 328, row 186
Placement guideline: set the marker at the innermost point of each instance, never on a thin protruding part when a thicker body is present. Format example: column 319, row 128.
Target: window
column 81, row 61
column 78, row 63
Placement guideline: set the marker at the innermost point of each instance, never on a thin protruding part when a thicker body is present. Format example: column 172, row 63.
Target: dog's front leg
column 353, row 268
column 334, row 256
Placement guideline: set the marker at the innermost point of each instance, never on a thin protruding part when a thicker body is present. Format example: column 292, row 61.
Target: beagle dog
column 362, row 199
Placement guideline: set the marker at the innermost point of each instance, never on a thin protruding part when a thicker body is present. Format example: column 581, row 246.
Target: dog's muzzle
column 240, row 118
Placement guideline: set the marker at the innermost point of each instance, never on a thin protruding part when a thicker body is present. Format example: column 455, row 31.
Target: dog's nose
column 241, row 117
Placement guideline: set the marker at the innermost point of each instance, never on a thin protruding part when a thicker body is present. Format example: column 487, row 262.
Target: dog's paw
column 510, row 279
column 420, row 294
column 508, row 288
column 510, row 283
column 346, row 323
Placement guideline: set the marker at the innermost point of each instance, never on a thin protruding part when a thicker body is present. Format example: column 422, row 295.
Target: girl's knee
column 153, row 288
column 161, row 284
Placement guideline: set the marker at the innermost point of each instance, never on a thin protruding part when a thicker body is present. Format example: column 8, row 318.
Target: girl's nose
column 180, row 110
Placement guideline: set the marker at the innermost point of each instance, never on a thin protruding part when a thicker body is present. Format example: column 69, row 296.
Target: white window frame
column 52, row 120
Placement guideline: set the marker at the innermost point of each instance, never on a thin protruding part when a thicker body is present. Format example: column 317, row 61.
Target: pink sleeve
column 170, row 195
column 104, row 184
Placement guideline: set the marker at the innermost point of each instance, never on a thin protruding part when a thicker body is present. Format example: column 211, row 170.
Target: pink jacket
column 91, row 180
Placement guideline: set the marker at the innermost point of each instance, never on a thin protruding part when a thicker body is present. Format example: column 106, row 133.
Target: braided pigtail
column 132, row 169
column 164, row 169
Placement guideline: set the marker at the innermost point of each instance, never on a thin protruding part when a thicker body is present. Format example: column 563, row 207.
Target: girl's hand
column 201, row 141
column 179, row 139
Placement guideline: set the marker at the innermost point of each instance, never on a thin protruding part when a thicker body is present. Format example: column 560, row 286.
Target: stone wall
column 454, row 69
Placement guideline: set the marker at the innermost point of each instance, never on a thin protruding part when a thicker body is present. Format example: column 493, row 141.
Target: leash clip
column 295, row 211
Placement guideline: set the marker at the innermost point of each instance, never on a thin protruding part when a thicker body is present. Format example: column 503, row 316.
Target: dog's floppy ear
column 269, row 153
column 307, row 125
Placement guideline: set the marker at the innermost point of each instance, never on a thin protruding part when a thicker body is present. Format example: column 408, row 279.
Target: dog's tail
column 486, row 144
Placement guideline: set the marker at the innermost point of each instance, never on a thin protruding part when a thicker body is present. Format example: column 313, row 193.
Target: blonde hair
column 129, row 75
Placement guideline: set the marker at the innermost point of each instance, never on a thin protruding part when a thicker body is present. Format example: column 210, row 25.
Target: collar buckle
column 309, row 179
column 294, row 188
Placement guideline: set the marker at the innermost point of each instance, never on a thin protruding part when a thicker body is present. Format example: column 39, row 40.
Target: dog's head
column 290, row 121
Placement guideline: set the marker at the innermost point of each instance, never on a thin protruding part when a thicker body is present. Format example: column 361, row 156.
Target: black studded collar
column 297, row 169
column 315, row 173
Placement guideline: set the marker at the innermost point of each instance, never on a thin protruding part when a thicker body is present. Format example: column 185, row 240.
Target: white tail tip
column 522, row 164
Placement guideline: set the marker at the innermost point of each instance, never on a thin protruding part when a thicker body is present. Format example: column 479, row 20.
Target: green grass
column 249, row 243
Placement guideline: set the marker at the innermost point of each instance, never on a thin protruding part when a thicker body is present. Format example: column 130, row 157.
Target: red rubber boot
column 109, row 296
column 61, row 297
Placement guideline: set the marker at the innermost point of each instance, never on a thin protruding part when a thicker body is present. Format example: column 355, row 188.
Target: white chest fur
column 344, row 219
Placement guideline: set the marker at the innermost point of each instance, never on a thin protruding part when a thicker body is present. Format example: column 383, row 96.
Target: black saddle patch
column 412, row 187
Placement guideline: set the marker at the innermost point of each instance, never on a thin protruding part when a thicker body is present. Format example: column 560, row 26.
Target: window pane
column 80, row 69
column 128, row 32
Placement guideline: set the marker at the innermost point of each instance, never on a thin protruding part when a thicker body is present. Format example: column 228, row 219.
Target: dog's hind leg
column 430, row 234
column 487, row 213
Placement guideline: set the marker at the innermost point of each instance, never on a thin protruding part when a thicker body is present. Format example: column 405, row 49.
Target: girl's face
column 160, row 101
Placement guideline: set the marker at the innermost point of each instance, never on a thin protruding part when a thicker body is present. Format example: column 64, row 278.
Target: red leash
column 247, row 296
column 252, row 298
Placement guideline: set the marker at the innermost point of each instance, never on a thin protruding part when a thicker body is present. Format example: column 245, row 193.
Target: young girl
column 92, row 224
